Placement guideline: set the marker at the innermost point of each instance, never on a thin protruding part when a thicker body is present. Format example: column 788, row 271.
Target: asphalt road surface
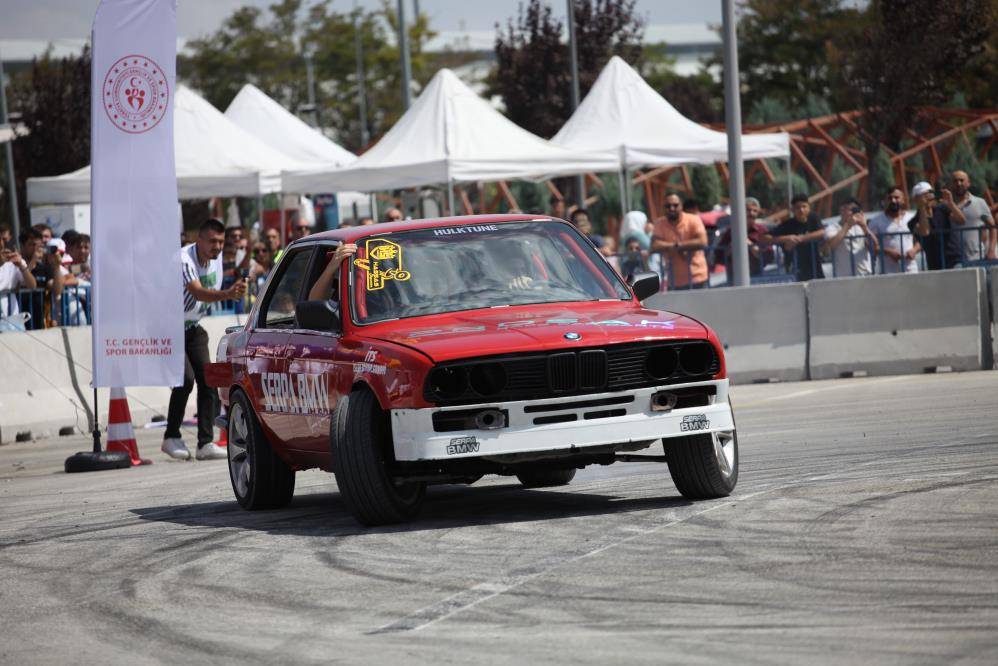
column 864, row 529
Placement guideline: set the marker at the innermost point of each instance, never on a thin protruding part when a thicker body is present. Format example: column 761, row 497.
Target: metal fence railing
column 855, row 256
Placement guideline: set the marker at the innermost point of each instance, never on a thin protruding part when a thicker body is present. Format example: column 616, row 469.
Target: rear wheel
column 544, row 478
column 260, row 479
column 362, row 448
column 704, row 466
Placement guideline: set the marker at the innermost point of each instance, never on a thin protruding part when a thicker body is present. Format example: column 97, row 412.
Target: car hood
column 527, row 328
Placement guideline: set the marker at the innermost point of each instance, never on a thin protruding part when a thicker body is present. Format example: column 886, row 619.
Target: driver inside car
column 324, row 287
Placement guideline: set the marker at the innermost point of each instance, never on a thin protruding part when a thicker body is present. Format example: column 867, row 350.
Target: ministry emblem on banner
column 136, row 94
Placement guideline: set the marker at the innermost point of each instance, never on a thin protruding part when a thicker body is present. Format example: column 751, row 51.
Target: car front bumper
column 415, row 438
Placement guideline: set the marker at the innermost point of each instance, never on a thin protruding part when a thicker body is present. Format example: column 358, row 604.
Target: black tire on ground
column 99, row 461
column 545, row 478
column 695, row 468
column 361, row 444
column 260, row 478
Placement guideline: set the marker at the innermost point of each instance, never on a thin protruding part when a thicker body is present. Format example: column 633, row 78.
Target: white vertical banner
column 138, row 331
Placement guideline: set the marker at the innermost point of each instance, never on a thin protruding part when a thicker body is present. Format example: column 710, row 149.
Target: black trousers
column 196, row 357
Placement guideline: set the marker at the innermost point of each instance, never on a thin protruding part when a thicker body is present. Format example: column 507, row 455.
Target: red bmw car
column 452, row 348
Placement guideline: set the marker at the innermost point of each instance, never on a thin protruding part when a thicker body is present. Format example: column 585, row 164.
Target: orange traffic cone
column 120, row 436
column 223, row 434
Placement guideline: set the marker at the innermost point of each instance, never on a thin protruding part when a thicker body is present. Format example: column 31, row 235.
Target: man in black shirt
column 45, row 267
column 800, row 237
column 930, row 226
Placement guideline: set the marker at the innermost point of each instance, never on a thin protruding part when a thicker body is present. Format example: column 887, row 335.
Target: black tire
column 260, row 478
column 695, row 468
column 99, row 461
column 361, row 446
column 545, row 478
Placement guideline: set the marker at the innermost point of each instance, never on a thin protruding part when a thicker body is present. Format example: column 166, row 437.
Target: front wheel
column 260, row 479
column 361, row 448
column 703, row 466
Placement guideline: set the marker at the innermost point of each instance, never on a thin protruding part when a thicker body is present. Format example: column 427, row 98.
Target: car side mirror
column 644, row 284
column 318, row 316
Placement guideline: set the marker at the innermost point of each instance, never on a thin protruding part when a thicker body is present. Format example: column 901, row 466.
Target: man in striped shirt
column 202, row 272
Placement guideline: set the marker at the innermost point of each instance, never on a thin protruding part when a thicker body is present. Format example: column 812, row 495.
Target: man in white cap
column 929, row 226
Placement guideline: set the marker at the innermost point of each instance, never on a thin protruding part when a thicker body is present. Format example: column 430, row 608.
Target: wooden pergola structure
column 816, row 144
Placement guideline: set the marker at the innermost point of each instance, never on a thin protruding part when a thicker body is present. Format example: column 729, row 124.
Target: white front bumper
column 415, row 438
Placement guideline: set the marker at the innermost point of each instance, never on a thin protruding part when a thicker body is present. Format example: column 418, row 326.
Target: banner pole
column 96, row 433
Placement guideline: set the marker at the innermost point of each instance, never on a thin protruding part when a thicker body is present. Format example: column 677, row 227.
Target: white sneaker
column 175, row 448
column 211, row 452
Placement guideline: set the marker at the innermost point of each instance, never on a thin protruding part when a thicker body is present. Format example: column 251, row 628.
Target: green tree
column 532, row 72
column 706, row 185
column 268, row 50
column 928, row 42
column 783, row 48
column 53, row 102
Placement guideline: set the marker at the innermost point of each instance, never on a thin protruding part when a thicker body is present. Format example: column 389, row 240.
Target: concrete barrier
column 38, row 394
column 763, row 329
column 898, row 324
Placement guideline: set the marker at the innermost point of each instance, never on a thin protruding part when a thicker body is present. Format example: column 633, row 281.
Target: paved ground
column 864, row 530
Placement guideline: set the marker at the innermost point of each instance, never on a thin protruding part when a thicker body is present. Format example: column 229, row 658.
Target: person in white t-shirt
column 850, row 241
column 201, row 262
column 14, row 275
column 899, row 248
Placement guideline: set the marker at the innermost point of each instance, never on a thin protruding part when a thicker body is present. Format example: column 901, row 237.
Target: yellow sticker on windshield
column 383, row 263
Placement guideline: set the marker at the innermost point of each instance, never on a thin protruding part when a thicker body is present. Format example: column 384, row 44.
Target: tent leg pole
column 280, row 205
column 450, row 198
column 622, row 176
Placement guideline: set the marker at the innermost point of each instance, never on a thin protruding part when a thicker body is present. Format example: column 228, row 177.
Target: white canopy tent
column 449, row 135
column 214, row 157
column 270, row 122
column 623, row 117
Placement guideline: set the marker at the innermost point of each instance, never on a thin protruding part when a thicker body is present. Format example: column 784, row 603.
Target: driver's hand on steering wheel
column 521, row 282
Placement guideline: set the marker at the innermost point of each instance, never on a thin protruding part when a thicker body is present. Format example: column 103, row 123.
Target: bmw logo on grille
column 573, row 336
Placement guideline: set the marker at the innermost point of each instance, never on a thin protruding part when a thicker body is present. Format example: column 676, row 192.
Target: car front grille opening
column 604, row 414
column 555, row 418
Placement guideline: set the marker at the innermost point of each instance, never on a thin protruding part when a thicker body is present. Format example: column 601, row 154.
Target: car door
column 311, row 366
column 268, row 344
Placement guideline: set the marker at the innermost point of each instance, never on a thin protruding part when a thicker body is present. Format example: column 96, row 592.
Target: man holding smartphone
column 14, row 275
column 202, row 275
column 850, row 241
column 972, row 227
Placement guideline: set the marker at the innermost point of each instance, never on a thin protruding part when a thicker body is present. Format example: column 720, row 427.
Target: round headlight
column 488, row 378
column 661, row 362
column 696, row 358
column 448, row 383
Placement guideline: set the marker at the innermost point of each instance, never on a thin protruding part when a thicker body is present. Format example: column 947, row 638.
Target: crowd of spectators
column 954, row 229
column 45, row 280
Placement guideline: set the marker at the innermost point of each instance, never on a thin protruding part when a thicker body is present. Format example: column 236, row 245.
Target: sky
column 57, row 19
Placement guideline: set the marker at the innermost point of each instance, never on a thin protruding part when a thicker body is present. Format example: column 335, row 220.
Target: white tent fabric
column 623, row 116
column 214, row 157
column 270, row 122
column 450, row 134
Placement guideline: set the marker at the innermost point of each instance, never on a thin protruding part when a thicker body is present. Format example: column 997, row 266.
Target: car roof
column 353, row 234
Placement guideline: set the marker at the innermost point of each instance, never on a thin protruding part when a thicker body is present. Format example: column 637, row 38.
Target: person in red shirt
column 681, row 239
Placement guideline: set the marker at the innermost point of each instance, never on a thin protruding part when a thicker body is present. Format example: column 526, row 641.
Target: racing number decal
column 383, row 263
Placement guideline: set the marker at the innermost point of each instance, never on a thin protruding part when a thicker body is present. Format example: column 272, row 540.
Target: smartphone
column 856, row 209
column 52, row 249
column 244, row 273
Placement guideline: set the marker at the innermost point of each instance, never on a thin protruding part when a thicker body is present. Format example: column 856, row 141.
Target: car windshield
column 448, row 269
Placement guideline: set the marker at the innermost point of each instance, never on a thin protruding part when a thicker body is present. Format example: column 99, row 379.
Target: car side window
column 279, row 304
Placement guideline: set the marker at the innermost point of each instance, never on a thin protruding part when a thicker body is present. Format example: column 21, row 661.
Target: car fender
column 393, row 373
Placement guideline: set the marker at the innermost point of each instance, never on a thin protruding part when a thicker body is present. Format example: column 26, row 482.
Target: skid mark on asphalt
column 475, row 595
column 485, row 591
